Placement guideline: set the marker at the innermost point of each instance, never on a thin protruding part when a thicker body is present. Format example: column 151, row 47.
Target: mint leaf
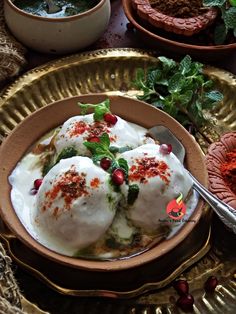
column 124, row 165
column 214, row 96
column 105, row 140
column 100, row 149
column 213, row 3
column 167, row 63
column 140, row 78
column 92, row 146
column 230, row 18
column 186, row 97
column 185, row 65
column 99, row 109
column 114, row 149
column 176, row 83
column 152, row 77
column 67, row 152
column 227, row 10
column 179, row 89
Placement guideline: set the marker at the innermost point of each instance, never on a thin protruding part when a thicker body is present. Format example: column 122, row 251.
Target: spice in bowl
column 228, row 170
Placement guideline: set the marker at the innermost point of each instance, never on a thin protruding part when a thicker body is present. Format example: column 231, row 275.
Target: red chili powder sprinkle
column 95, row 183
column 228, row 170
column 95, row 129
column 149, row 167
column 79, row 128
column 70, row 185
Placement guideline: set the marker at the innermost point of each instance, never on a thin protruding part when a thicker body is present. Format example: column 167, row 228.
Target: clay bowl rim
column 225, row 144
column 196, row 26
column 56, row 19
column 129, row 14
column 131, row 109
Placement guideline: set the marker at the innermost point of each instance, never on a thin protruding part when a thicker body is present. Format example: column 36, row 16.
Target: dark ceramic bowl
column 214, row 159
column 172, row 44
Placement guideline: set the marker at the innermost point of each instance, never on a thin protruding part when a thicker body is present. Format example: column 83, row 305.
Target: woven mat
column 12, row 53
column 10, row 298
column 11, row 62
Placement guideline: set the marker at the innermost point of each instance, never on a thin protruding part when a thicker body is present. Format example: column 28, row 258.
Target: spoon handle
column 224, row 211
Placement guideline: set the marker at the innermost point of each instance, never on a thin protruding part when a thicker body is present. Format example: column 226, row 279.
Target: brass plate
column 113, row 71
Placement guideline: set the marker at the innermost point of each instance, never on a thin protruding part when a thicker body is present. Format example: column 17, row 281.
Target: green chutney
column 68, row 8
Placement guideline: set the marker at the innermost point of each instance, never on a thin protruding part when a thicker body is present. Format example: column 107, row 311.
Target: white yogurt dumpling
column 160, row 177
column 75, row 205
column 79, row 129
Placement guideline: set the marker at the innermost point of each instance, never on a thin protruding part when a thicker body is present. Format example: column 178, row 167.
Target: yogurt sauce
column 25, row 203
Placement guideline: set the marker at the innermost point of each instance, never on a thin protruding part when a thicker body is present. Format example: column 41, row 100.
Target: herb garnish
column 99, row 109
column 180, row 89
column 228, row 17
column 132, row 193
column 102, row 150
column 67, row 152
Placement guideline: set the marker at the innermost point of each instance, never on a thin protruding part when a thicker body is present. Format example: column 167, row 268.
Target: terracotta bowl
column 57, row 35
column 172, row 44
column 215, row 157
column 182, row 26
column 33, row 127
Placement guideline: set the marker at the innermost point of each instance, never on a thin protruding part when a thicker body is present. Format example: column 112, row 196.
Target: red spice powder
column 79, row 128
column 228, row 170
column 71, row 185
column 179, row 8
column 95, row 183
column 95, row 129
column 149, row 167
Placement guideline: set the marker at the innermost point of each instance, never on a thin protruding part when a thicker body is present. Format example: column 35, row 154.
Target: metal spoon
column 226, row 213
column 52, row 7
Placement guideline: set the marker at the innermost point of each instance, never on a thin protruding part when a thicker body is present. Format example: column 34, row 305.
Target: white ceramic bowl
column 58, row 35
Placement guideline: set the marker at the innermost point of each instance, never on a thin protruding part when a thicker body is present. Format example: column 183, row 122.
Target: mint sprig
column 180, row 89
column 227, row 9
column 100, row 149
column 99, row 109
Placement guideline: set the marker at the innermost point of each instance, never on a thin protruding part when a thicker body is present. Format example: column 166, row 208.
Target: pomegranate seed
column 181, row 286
column 37, row 183
column 211, row 284
column 118, row 176
column 105, row 163
column 110, row 118
column 94, row 139
column 165, row 149
column 185, row 302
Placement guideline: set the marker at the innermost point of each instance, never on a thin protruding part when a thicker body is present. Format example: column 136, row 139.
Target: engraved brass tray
column 113, row 71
